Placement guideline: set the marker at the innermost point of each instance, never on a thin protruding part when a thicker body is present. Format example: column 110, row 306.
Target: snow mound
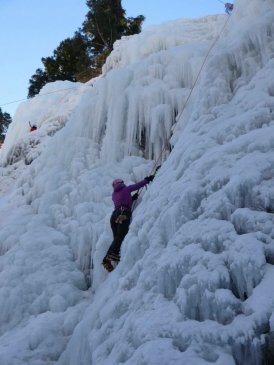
column 48, row 111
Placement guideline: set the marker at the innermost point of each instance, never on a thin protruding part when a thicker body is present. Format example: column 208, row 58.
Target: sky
column 31, row 29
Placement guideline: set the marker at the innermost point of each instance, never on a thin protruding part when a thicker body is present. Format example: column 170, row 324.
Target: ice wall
column 194, row 284
column 128, row 111
column 48, row 111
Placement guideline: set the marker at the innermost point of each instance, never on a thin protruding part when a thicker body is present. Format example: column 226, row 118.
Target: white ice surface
column 194, row 285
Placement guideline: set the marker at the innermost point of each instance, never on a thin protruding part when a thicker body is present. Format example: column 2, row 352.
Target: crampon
column 113, row 257
column 107, row 261
column 107, row 264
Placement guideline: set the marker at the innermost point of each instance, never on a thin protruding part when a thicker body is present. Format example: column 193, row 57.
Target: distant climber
column 121, row 216
column 228, row 8
column 32, row 127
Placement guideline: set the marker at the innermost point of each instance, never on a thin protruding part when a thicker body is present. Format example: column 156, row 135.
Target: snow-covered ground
column 194, row 285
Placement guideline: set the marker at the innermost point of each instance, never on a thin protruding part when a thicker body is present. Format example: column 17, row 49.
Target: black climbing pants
column 119, row 230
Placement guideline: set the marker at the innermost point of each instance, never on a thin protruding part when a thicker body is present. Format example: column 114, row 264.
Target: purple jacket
column 121, row 195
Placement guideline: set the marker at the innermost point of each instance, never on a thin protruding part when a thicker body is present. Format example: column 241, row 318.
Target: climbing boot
column 113, row 257
column 107, row 264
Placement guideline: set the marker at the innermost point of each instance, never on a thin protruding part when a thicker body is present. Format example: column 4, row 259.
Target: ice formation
column 194, row 285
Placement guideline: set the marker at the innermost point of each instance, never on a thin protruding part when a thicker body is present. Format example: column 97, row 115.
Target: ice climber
column 121, row 216
column 228, row 8
column 32, row 127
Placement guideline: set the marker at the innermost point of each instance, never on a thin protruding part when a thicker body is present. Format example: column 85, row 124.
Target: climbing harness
column 122, row 217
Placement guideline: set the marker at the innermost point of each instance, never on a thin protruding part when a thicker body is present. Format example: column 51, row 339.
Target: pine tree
column 37, row 81
column 69, row 59
column 81, row 57
column 106, row 22
column 5, row 120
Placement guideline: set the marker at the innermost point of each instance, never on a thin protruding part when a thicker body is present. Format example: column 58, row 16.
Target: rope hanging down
column 156, row 164
column 191, row 91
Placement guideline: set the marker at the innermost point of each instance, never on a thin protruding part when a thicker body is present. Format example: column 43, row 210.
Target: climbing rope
column 156, row 164
column 190, row 93
column 221, row 2
column 38, row 95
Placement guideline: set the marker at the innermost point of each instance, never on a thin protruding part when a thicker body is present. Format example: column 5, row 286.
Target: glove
column 149, row 178
column 135, row 196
